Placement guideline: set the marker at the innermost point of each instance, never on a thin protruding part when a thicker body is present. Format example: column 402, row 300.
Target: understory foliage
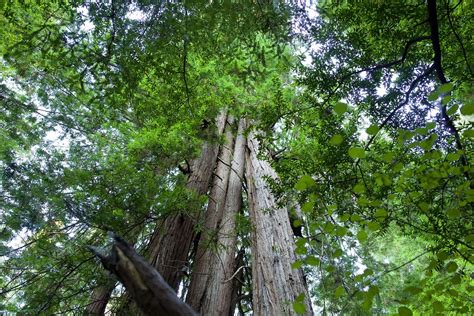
column 363, row 108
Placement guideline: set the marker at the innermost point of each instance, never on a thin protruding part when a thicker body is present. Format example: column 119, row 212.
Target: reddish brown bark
column 100, row 298
column 173, row 239
column 275, row 284
column 217, row 299
column 204, row 254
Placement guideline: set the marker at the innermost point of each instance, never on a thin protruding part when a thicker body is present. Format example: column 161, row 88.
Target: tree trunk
column 99, row 299
column 202, row 267
column 275, row 284
column 174, row 238
column 217, row 298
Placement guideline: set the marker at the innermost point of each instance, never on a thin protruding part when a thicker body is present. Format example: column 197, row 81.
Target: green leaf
column 304, row 182
column 452, row 109
column 424, row 206
column 442, row 255
column 359, row 188
column 340, row 108
column 339, row 291
column 451, row 267
column 297, row 264
column 307, row 207
column 438, row 306
column 469, row 133
column 362, row 236
column 404, row 311
column 312, row 261
column 445, row 88
column 372, row 130
column 373, row 226
column 433, row 96
column 301, row 250
column 341, row 230
column 299, row 308
column 336, row 140
column 446, row 99
column 453, row 212
column 430, row 125
column 467, row 109
column 373, row 290
column 337, row 253
column 381, row 213
column 388, row 157
column 413, row 290
column 356, row 152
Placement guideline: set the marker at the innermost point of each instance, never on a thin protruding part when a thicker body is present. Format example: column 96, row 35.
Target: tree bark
column 217, row 298
column 275, row 284
column 172, row 240
column 99, row 298
column 144, row 284
column 202, row 267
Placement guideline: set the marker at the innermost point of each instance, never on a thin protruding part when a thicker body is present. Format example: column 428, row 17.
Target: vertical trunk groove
column 211, row 292
column 218, row 297
column 173, row 239
column 203, row 259
column 275, row 284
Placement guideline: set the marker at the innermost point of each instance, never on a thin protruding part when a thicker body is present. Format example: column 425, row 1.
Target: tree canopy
column 351, row 122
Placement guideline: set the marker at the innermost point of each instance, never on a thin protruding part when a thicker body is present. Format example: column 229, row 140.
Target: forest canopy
column 236, row 157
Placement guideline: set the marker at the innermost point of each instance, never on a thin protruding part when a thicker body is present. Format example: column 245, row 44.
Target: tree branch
column 145, row 285
column 433, row 19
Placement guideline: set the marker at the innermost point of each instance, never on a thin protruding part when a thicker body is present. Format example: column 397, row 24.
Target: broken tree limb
column 145, row 285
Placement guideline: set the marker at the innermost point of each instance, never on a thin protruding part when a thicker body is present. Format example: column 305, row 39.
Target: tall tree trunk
column 217, row 298
column 174, row 238
column 204, row 255
column 99, row 298
column 275, row 284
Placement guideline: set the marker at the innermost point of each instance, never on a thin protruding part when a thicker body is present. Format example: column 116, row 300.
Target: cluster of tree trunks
column 219, row 171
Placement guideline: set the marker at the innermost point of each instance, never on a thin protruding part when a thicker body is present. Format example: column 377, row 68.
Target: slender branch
column 233, row 275
column 437, row 63
column 451, row 25
column 368, row 69
column 401, row 105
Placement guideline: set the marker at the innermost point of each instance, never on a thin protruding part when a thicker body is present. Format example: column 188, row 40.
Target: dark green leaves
column 340, row 108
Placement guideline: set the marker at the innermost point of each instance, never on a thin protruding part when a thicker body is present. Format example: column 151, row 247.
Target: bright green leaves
column 301, row 246
column 404, row 311
column 357, row 152
column 340, row 108
column 298, row 305
column 339, row 292
column 359, row 188
column 442, row 90
column 362, row 236
column 304, row 183
column 445, row 88
column 312, row 261
column 372, row 130
column 336, row 140
column 380, row 214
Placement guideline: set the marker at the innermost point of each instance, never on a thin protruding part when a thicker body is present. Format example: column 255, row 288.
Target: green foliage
column 100, row 108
